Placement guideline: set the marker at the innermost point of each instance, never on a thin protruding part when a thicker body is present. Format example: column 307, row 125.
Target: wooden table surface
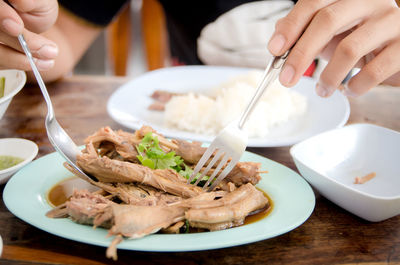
column 330, row 236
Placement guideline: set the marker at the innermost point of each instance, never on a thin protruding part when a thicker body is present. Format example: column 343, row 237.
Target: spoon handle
column 37, row 75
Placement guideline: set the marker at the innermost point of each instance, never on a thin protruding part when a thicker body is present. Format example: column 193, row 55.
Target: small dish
column 332, row 160
column 17, row 147
column 14, row 82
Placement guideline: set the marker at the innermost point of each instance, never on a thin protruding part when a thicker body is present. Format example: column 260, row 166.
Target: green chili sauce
column 9, row 161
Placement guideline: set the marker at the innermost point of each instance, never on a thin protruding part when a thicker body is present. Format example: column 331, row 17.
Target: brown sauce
column 60, row 192
column 261, row 214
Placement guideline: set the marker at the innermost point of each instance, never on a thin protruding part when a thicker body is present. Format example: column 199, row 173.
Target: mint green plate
column 294, row 200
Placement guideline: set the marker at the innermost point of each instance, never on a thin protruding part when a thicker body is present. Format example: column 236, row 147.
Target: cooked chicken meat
column 110, row 171
column 138, row 199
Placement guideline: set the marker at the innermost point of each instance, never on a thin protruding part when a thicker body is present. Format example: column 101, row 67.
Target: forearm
column 73, row 37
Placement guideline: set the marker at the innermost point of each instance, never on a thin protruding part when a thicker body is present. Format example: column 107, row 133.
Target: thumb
column 11, row 23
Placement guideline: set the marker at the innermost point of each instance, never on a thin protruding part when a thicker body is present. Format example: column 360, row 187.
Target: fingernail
column 276, row 44
column 48, row 51
column 44, row 64
column 12, row 26
column 347, row 92
column 321, row 90
column 287, row 74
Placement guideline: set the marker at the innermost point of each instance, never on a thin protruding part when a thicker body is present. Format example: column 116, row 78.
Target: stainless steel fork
column 231, row 142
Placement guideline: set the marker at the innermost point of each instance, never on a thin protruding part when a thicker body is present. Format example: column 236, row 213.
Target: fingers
column 382, row 67
column 326, row 23
column 12, row 59
column 38, row 15
column 40, row 47
column 26, row 5
column 10, row 21
column 43, row 50
column 354, row 47
column 290, row 28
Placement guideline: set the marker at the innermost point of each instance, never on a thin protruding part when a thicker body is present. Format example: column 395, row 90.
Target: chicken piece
column 162, row 198
column 157, row 106
column 163, row 96
column 173, row 229
column 233, row 207
column 83, row 208
column 242, row 173
column 129, row 193
column 160, row 97
column 209, row 200
column 136, row 194
column 216, row 226
column 124, row 143
column 362, row 180
column 109, row 170
column 226, row 186
column 245, row 172
column 137, row 221
column 190, row 152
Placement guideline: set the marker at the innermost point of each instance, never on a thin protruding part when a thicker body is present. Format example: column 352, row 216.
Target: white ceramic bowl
column 18, row 147
column 15, row 81
column 331, row 161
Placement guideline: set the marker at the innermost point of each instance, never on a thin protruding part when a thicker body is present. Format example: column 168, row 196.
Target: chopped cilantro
column 151, row 155
column 187, row 226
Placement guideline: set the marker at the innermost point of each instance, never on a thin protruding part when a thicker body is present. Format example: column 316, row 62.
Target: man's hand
column 29, row 17
column 349, row 33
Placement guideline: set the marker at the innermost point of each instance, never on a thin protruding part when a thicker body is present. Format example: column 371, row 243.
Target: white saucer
column 18, row 147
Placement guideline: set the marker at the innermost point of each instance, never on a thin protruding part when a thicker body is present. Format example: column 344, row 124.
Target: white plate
column 129, row 104
column 293, row 202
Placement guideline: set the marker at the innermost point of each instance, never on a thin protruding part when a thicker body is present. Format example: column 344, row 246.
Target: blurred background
column 134, row 43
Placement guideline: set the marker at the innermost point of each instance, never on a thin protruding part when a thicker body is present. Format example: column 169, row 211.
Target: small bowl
column 15, row 81
column 25, row 149
column 331, row 161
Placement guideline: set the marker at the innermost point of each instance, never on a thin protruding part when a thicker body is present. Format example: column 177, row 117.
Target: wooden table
column 330, row 236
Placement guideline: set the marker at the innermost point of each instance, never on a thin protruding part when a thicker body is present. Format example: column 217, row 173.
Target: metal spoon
column 57, row 136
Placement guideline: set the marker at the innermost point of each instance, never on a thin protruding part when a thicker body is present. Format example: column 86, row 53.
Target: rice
column 208, row 114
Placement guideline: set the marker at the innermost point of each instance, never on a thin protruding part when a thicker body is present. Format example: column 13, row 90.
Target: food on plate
column 161, row 97
column 143, row 189
column 9, row 161
column 2, row 86
column 362, row 180
column 208, row 113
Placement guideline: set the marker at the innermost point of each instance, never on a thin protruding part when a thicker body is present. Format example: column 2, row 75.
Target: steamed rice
column 208, row 114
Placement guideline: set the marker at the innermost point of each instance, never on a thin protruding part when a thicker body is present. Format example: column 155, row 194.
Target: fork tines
column 220, row 156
